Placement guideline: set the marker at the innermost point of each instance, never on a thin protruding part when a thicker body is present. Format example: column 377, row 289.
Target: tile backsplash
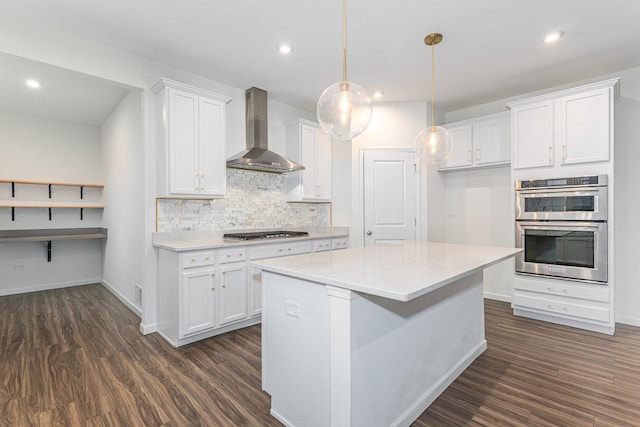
column 254, row 200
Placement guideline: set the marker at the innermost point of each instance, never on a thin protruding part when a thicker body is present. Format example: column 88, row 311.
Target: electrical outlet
column 138, row 293
column 19, row 267
column 293, row 309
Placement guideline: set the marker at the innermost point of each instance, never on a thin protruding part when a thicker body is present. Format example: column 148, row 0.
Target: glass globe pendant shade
column 344, row 110
column 432, row 145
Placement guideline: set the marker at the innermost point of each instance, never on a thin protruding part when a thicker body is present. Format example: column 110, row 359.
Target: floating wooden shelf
column 49, row 235
column 63, row 184
column 49, row 204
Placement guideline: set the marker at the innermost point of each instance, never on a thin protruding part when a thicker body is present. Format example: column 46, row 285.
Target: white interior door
column 389, row 196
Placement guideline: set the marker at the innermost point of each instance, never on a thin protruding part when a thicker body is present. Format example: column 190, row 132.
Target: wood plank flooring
column 75, row 357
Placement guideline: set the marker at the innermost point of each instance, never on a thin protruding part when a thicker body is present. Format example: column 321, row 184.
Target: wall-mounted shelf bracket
column 48, row 243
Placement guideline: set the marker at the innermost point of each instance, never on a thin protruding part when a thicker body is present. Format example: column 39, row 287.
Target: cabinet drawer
column 197, row 259
column 232, row 255
column 561, row 306
column 321, row 245
column 281, row 249
column 585, row 291
column 341, row 243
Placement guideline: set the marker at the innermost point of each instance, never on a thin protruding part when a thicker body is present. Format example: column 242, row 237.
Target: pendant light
column 433, row 143
column 344, row 108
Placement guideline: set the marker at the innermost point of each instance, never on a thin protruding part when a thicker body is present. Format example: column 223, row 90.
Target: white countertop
column 193, row 240
column 401, row 271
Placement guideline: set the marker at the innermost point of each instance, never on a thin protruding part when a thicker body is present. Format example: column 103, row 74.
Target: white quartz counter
column 194, row 240
column 399, row 271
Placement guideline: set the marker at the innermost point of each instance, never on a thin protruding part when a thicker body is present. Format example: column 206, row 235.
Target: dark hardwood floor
column 75, row 357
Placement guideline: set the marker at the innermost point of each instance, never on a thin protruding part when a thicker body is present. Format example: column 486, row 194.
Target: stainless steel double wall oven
column 562, row 226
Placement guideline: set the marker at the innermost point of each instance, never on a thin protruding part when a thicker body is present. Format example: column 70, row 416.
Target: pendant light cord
column 344, row 40
column 433, row 79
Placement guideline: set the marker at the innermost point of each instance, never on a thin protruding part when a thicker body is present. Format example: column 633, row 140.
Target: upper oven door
column 579, row 204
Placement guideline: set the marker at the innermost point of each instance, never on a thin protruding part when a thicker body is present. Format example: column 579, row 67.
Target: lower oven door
column 565, row 249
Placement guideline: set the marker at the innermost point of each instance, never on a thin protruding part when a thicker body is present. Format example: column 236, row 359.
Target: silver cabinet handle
column 369, row 232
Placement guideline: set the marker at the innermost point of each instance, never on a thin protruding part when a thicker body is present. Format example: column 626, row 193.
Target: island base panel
column 349, row 359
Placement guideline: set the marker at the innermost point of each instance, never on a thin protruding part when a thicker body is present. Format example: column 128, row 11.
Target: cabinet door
column 183, row 142
column 492, row 141
column 308, row 159
column 323, row 165
column 255, row 291
column 212, row 147
column 460, row 147
column 532, row 135
column 584, row 127
column 197, row 305
column 233, row 293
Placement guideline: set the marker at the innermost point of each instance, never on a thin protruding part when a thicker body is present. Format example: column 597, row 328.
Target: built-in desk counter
column 370, row 336
column 50, row 235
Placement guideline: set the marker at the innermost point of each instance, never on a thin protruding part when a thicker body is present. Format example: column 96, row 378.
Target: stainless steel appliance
column 562, row 226
column 264, row 235
column 257, row 156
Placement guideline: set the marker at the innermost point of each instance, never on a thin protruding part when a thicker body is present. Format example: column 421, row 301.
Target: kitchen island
column 370, row 336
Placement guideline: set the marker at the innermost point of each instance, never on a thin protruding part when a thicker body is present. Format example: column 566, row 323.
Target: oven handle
column 574, row 225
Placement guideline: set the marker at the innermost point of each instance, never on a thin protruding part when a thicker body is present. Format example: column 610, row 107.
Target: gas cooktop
column 263, row 235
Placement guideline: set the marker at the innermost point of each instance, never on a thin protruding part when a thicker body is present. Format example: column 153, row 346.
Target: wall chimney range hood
column 257, row 156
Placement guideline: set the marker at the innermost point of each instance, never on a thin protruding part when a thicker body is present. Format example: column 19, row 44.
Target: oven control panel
column 576, row 181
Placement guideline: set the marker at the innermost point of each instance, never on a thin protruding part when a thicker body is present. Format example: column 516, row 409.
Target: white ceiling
column 492, row 49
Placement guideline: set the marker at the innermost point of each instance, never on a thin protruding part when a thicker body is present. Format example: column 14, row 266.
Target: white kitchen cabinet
column 479, row 142
column 255, row 291
column 197, row 301
column 461, row 146
column 202, row 293
column 310, row 146
column 582, row 305
column 569, row 127
column 192, row 129
column 233, row 292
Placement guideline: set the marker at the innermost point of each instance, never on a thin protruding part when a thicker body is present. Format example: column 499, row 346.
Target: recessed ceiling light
column 377, row 94
column 553, row 37
column 285, row 49
column 33, row 83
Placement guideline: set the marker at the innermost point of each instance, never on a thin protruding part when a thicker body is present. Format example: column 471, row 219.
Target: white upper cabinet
column 480, row 142
column 192, row 128
column 310, row 146
column 573, row 126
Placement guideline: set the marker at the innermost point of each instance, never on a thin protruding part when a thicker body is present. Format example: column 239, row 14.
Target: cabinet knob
column 224, row 286
column 213, row 289
column 213, row 275
column 228, row 255
column 369, row 232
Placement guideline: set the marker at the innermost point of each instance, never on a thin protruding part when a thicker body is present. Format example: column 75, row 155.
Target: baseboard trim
column 628, row 320
column 497, row 297
column 148, row 329
column 122, row 298
column 49, row 286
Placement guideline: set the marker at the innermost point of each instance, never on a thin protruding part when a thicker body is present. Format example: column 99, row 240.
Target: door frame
column 417, row 192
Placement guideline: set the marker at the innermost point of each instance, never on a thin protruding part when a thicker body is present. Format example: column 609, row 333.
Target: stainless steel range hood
column 257, row 156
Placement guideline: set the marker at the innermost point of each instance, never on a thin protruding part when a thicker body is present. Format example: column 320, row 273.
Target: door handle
column 369, row 232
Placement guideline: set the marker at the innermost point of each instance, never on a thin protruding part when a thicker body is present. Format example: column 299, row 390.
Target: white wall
column 123, row 156
column 627, row 199
column 393, row 125
column 40, row 149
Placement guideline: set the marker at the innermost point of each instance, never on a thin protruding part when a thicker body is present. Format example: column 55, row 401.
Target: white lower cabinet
column 577, row 304
column 233, row 293
column 208, row 292
column 197, row 301
column 255, row 291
